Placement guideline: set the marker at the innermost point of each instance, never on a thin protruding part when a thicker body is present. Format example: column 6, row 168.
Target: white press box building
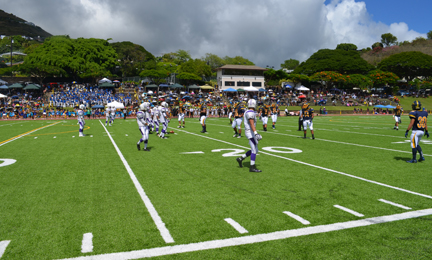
column 240, row 76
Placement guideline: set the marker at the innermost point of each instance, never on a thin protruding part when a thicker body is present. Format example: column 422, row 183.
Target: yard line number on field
column 153, row 213
column 316, row 166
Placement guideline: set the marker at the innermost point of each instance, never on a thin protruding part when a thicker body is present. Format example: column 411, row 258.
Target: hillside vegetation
column 376, row 55
column 13, row 25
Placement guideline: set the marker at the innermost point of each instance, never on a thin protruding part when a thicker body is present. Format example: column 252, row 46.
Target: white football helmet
column 164, row 104
column 251, row 103
column 145, row 106
column 82, row 107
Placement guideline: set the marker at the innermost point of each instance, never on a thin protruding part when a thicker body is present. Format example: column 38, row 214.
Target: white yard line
column 236, row 226
column 153, row 213
column 349, row 211
column 252, row 239
column 87, row 243
column 3, row 245
column 27, row 133
column 395, row 204
column 316, row 166
column 359, row 145
column 298, row 218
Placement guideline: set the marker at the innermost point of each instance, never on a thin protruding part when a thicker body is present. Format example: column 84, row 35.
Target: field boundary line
column 27, row 133
column 359, row 145
column 253, row 239
column 315, row 166
column 151, row 209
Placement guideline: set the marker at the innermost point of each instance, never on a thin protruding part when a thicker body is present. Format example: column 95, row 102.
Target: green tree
column 188, row 78
column 346, row 47
column 290, row 64
column 377, row 44
column 408, row 65
column 133, row 58
column 388, row 39
column 345, row 62
column 63, row 56
column 237, row 60
column 179, row 57
column 272, row 76
column 157, row 76
column 197, row 67
column 429, row 35
column 213, row 61
column 382, row 78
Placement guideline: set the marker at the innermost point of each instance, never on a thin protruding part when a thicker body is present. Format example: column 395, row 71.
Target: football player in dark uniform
column 181, row 115
column 418, row 123
column 274, row 114
column 238, row 118
column 264, row 113
column 203, row 117
column 307, row 113
column 397, row 116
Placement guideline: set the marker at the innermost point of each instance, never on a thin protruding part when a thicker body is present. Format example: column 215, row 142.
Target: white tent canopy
column 302, row 88
column 2, row 82
column 104, row 80
column 116, row 104
column 2, row 96
column 250, row 89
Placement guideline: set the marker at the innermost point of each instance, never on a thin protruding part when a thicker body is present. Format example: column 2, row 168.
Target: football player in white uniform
column 113, row 114
column 81, row 120
column 252, row 134
column 155, row 112
column 163, row 117
column 142, row 117
column 107, row 115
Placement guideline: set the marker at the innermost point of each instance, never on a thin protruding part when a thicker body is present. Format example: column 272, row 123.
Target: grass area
column 62, row 186
column 404, row 101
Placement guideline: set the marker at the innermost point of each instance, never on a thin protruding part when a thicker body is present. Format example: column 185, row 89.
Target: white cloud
column 265, row 32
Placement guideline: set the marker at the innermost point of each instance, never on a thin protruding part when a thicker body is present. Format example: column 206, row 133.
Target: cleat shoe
column 235, row 135
column 239, row 136
column 313, row 137
column 183, row 126
column 202, row 132
column 146, row 149
column 179, row 126
column 254, row 169
column 421, row 159
column 139, row 147
column 412, row 161
column 240, row 161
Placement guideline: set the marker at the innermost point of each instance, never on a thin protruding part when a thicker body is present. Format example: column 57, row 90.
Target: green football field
column 348, row 194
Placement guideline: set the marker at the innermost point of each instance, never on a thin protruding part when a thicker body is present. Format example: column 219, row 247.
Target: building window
column 229, row 83
column 243, row 83
column 256, row 84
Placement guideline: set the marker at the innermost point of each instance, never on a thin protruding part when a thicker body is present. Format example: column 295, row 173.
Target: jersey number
column 421, row 122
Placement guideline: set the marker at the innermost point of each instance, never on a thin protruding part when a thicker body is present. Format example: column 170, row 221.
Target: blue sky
column 415, row 13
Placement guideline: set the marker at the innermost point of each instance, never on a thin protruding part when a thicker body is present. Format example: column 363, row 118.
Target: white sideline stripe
column 298, row 218
column 394, row 204
column 236, row 225
column 349, row 211
column 360, row 145
column 193, row 152
column 319, row 167
column 252, row 239
column 3, row 245
column 87, row 243
column 29, row 133
column 153, row 213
